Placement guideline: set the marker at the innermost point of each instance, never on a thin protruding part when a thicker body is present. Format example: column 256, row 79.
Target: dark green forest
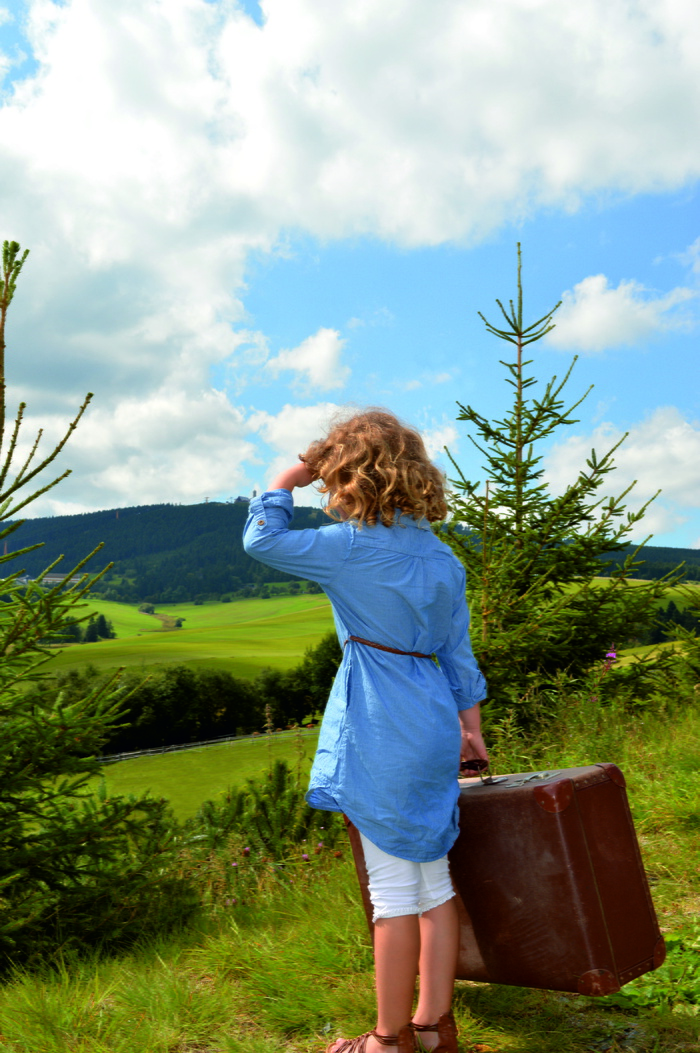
column 161, row 553
column 177, row 553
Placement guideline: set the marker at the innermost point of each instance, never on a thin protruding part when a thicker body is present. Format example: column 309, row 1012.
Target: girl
column 396, row 722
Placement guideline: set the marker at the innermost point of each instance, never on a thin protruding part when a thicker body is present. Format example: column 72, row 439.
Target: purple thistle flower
column 305, row 857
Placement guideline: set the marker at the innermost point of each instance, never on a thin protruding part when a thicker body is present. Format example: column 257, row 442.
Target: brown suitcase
column 550, row 886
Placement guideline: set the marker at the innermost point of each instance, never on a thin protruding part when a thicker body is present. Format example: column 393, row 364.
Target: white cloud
column 413, row 123
column 594, row 316
column 158, row 145
column 290, row 432
column 171, row 446
column 316, row 360
column 691, row 257
column 437, row 437
column 425, row 379
column 382, row 316
column 405, row 121
column 661, row 452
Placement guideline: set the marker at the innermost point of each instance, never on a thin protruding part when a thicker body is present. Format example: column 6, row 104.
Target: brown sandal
column 404, row 1041
column 446, row 1032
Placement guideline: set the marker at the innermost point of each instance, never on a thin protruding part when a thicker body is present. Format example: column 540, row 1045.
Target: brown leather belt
column 391, row 650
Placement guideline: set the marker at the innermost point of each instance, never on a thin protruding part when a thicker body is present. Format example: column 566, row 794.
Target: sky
column 243, row 217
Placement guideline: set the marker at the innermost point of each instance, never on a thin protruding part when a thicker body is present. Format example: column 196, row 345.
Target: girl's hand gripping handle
column 473, row 747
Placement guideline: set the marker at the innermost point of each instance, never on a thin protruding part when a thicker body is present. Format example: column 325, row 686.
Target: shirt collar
column 405, row 520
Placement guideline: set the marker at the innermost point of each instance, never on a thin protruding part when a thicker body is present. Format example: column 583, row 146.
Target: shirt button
column 261, row 522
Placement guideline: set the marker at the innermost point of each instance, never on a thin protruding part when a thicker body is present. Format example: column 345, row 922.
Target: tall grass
column 280, row 958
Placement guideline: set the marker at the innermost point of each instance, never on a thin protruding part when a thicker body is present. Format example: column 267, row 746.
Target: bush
column 269, row 815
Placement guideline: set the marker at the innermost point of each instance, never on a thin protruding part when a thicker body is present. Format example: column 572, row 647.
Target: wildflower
column 305, row 857
column 246, row 851
column 234, row 864
column 611, row 654
column 320, row 844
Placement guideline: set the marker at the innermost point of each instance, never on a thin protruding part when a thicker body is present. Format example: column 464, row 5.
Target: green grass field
column 277, row 964
column 187, row 778
column 240, row 637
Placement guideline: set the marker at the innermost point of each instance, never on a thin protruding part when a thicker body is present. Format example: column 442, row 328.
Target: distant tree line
column 179, row 705
column 98, row 628
column 161, row 553
column 658, row 561
column 182, row 553
column 667, row 620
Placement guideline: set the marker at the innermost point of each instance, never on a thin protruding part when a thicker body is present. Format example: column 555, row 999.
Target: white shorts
column 400, row 886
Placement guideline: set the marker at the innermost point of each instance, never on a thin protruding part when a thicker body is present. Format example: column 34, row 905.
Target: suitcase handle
column 482, row 767
column 474, row 765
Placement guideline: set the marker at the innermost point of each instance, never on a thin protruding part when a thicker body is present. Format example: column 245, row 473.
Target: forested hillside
column 172, row 553
column 161, row 553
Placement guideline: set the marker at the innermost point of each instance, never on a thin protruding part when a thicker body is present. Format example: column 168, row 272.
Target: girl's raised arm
column 314, row 554
column 297, row 475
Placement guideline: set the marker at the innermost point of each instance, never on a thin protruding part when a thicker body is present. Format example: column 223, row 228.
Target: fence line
column 112, row 758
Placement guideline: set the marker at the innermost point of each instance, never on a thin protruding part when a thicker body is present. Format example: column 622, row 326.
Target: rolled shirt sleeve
column 316, row 554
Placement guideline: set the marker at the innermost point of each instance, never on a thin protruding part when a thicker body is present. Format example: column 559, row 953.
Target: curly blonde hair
column 371, row 464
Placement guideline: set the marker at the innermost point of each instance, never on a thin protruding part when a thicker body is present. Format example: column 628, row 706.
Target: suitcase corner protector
column 614, row 774
column 597, row 982
column 659, row 952
column 556, row 796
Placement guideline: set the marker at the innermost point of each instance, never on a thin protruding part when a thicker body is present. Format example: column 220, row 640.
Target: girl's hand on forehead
column 297, row 475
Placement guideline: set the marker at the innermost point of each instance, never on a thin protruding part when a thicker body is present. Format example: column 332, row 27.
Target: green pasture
column 280, row 959
column 240, row 638
column 187, row 778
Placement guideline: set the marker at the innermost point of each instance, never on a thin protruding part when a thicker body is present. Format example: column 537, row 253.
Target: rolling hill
column 178, row 553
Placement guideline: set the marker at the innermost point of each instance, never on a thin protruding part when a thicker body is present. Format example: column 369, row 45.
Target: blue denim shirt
column 388, row 751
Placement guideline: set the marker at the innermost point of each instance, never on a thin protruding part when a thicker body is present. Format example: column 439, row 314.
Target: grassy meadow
column 282, row 959
column 189, row 777
column 279, row 957
column 239, row 638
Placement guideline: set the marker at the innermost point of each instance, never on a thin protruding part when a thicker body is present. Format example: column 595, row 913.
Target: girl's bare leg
column 439, row 945
column 396, row 951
